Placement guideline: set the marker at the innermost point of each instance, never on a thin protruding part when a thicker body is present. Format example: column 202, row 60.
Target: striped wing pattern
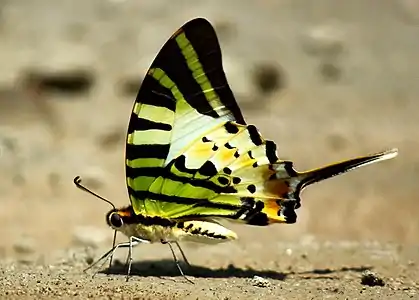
column 189, row 150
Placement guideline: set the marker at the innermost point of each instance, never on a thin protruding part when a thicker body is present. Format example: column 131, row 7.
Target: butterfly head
column 116, row 218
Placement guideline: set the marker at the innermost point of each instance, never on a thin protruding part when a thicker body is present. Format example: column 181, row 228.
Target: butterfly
column 191, row 159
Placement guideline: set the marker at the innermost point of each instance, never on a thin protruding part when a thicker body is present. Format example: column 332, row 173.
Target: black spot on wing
column 180, row 225
column 254, row 135
column 227, row 171
column 271, row 151
column 287, row 210
column 208, row 169
column 223, row 180
column 255, row 216
column 259, row 219
column 236, row 180
column 231, row 128
column 251, row 188
column 259, row 205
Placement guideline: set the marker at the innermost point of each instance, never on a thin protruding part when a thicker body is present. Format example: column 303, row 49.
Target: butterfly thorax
column 150, row 228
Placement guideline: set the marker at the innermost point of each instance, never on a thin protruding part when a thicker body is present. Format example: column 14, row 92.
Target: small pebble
column 371, row 279
column 260, row 281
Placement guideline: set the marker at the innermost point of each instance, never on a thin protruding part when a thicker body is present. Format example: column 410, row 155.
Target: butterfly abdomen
column 204, row 231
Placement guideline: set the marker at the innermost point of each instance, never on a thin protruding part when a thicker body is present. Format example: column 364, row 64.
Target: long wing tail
column 288, row 183
column 309, row 177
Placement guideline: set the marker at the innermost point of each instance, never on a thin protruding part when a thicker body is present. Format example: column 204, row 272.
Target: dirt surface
column 326, row 80
column 297, row 270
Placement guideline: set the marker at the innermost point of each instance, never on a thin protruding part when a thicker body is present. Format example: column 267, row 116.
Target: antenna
column 77, row 182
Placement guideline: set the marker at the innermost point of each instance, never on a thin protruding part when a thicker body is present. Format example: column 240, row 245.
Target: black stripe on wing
column 170, row 59
column 152, row 93
column 204, row 39
column 146, row 151
column 181, row 200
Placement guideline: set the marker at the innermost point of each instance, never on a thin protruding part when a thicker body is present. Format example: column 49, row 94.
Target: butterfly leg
column 183, row 254
column 104, row 257
column 176, row 260
column 132, row 243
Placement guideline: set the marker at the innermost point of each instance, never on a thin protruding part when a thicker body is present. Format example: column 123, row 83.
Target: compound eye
column 116, row 220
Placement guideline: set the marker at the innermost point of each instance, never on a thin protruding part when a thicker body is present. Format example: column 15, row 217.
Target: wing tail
column 288, row 184
column 313, row 176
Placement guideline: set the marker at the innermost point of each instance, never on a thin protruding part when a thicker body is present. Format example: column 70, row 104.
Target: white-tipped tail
column 316, row 175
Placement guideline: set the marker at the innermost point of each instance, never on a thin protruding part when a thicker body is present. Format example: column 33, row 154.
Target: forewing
column 184, row 95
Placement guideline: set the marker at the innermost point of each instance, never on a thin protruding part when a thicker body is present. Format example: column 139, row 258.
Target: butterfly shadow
column 167, row 268
column 327, row 273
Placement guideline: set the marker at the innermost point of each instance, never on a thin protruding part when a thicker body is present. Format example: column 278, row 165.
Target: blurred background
column 326, row 80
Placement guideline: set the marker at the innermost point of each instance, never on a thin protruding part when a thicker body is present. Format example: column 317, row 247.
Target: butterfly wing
column 224, row 174
column 184, row 94
column 189, row 152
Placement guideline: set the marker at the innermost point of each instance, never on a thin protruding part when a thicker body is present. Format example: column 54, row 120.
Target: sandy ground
column 325, row 81
column 307, row 269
